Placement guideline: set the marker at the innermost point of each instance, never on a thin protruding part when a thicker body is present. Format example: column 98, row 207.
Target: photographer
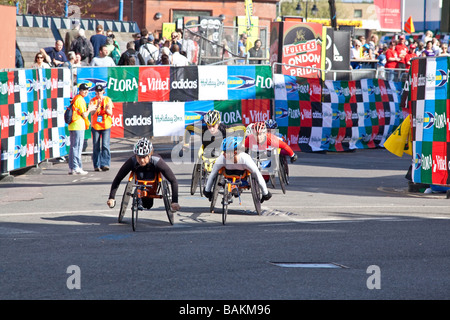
column 101, row 129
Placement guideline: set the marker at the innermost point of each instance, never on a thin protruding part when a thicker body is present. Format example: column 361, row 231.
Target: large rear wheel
column 125, row 199
column 195, row 178
column 256, row 193
column 225, row 199
column 167, row 198
column 134, row 209
column 216, row 188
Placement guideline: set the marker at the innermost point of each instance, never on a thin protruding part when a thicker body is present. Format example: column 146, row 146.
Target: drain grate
column 326, row 265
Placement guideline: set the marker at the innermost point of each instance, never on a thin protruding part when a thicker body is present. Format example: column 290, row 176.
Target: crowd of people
column 396, row 54
column 101, row 49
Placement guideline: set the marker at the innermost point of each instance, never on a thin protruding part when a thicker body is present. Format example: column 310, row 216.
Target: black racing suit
column 212, row 143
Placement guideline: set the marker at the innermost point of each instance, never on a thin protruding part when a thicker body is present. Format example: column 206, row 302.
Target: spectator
column 142, row 39
column 71, row 36
column 392, row 59
column 165, row 59
column 80, row 123
column 444, row 50
column 427, row 37
column 428, row 51
column 80, row 61
column 83, row 46
column 382, row 62
column 373, row 43
column 361, row 39
column 354, row 54
column 178, row 59
column 242, row 47
column 420, row 48
column 72, row 59
column 103, row 60
column 436, row 46
column 39, row 61
column 131, row 52
column 114, row 52
column 98, row 39
column 256, row 52
column 19, row 58
column 54, row 56
column 149, row 50
column 111, row 35
column 402, row 50
column 176, row 39
column 101, row 114
column 411, row 54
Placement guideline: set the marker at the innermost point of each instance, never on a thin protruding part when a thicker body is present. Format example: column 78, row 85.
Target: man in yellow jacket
column 101, row 129
column 77, row 127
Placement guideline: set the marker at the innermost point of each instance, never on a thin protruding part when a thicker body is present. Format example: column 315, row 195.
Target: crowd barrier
column 162, row 100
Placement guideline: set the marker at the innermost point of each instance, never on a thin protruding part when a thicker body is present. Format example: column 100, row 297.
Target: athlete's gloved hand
column 294, row 158
column 208, row 194
column 111, row 203
column 266, row 197
column 174, row 207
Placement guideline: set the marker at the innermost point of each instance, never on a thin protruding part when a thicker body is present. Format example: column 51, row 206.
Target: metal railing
column 390, row 74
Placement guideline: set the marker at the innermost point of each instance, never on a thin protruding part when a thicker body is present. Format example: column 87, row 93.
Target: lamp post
column 314, row 9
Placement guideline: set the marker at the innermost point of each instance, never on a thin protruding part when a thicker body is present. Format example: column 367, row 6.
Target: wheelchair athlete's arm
column 195, row 128
column 121, row 174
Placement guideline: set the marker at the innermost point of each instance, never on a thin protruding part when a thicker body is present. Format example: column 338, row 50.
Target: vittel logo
column 138, row 121
column 184, row 84
column 440, row 164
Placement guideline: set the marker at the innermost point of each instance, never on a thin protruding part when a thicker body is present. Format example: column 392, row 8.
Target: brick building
column 144, row 12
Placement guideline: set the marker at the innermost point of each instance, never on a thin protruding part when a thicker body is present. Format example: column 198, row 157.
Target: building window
column 357, row 13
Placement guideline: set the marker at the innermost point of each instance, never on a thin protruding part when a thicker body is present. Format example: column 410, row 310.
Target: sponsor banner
column 337, row 115
column 230, row 111
column 184, row 83
column 429, row 95
column 212, row 83
column 92, row 77
column 389, row 14
column 154, row 83
column 255, row 111
column 168, row 119
column 123, row 84
column 137, row 119
column 241, row 82
column 302, row 47
column 31, row 106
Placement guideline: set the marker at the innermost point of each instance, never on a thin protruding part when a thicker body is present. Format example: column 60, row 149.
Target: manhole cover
column 326, row 265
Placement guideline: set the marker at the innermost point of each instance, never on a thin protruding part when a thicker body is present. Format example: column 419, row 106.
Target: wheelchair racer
column 260, row 139
column 234, row 159
column 145, row 165
column 212, row 132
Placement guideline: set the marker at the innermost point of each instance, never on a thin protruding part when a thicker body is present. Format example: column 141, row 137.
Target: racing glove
column 266, row 197
column 294, row 158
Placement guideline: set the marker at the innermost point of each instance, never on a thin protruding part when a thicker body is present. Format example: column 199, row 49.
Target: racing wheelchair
column 229, row 183
column 158, row 188
column 201, row 172
column 272, row 163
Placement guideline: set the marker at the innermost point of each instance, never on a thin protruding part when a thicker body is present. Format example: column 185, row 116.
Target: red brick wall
column 265, row 10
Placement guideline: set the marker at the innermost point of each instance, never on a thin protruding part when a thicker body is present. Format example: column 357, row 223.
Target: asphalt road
column 347, row 228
